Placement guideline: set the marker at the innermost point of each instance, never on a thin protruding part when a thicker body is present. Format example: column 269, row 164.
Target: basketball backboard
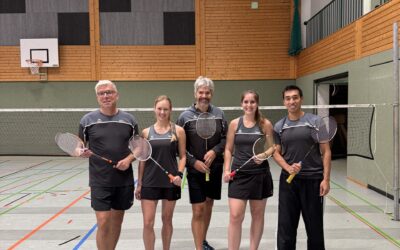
column 44, row 49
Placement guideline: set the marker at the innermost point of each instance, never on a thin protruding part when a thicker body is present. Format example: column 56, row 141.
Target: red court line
column 47, row 221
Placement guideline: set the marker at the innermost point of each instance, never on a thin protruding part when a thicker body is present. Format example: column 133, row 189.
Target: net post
column 396, row 122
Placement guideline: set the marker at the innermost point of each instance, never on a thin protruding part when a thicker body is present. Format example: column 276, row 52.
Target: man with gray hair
column 203, row 157
column 107, row 131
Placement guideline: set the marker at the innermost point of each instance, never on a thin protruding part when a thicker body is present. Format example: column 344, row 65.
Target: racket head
column 69, row 143
column 263, row 147
column 140, row 148
column 206, row 125
column 325, row 129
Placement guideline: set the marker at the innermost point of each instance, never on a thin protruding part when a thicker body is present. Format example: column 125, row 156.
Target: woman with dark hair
column 253, row 183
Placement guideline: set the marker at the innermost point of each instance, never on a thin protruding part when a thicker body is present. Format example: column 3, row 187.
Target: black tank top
column 243, row 148
column 165, row 153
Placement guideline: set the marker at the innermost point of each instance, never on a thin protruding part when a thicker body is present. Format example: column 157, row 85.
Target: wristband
column 180, row 174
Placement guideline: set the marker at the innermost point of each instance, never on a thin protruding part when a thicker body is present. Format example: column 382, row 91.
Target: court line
column 65, row 242
column 93, row 228
column 44, row 191
column 362, row 199
column 27, row 236
column 1, row 162
column 21, row 170
column 18, row 178
column 366, row 222
column 22, row 184
column 47, row 178
column 85, row 237
column 17, row 199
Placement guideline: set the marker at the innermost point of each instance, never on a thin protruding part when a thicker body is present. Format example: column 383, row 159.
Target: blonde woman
column 167, row 141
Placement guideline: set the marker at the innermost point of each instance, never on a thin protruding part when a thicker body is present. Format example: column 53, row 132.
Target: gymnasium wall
column 363, row 50
column 370, row 80
column 142, row 40
column 132, row 94
column 369, row 35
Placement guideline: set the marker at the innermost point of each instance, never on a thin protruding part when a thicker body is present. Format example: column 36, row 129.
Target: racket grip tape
column 290, row 178
column 207, row 177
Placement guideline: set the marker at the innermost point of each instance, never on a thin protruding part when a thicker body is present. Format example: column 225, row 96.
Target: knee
column 166, row 219
column 236, row 217
column 103, row 224
column 148, row 223
column 198, row 213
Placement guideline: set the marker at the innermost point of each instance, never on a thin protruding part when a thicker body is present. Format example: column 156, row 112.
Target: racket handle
column 207, row 177
column 232, row 174
column 104, row 159
column 290, row 178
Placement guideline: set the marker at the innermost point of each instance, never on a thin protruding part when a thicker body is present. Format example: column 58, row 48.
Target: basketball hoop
column 34, row 65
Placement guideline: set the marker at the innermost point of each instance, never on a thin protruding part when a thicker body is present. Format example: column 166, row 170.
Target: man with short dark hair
column 107, row 131
column 305, row 193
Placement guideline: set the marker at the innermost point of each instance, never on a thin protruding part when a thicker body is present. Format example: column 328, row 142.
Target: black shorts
column 200, row 189
column 251, row 186
column 153, row 193
column 107, row 198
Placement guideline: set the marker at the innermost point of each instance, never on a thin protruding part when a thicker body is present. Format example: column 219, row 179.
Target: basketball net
column 35, row 65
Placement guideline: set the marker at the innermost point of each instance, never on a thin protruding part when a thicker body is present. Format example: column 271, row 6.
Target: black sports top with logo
column 296, row 140
column 164, row 151
column 243, row 151
column 195, row 145
column 108, row 136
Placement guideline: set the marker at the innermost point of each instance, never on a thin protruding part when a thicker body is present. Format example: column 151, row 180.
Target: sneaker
column 206, row 246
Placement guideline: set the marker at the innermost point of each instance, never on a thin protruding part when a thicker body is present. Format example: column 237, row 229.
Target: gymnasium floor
column 44, row 204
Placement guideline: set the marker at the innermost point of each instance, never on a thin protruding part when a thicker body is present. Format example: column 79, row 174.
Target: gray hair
column 105, row 82
column 203, row 81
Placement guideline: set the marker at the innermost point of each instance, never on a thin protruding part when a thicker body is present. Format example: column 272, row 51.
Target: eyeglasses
column 106, row 93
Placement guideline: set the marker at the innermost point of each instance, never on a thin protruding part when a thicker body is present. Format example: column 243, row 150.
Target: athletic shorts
column 154, row 193
column 200, row 189
column 251, row 186
column 107, row 198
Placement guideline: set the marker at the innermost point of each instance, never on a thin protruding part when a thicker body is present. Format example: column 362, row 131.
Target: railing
column 335, row 16
column 331, row 18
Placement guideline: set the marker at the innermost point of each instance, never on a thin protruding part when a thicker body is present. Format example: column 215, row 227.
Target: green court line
column 38, row 171
column 365, row 221
column 41, row 171
column 44, row 191
column 361, row 198
column 27, row 188
column 24, row 169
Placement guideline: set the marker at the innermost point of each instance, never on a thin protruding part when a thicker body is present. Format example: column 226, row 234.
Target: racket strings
column 70, row 144
column 206, row 125
column 140, row 148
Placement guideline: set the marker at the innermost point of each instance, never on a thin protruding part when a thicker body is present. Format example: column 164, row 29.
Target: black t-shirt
column 295, row 138
column 196, row 147
column 108, row 136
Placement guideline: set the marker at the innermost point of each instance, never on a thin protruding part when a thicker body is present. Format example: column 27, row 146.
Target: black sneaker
column 206, row 246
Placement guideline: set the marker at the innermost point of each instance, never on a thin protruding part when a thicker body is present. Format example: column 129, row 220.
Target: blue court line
column 91, row 230
column 85, row 237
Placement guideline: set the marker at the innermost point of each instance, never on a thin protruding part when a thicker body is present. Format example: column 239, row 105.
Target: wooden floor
column 44, row 204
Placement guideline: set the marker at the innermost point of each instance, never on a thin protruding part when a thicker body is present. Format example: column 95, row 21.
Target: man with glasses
column 107, row 131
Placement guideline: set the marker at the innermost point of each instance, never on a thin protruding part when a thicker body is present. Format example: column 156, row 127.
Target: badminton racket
column 142, row 150
column 74, row 146
column 322, row 132
column 263, row 148
column 206, row 128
